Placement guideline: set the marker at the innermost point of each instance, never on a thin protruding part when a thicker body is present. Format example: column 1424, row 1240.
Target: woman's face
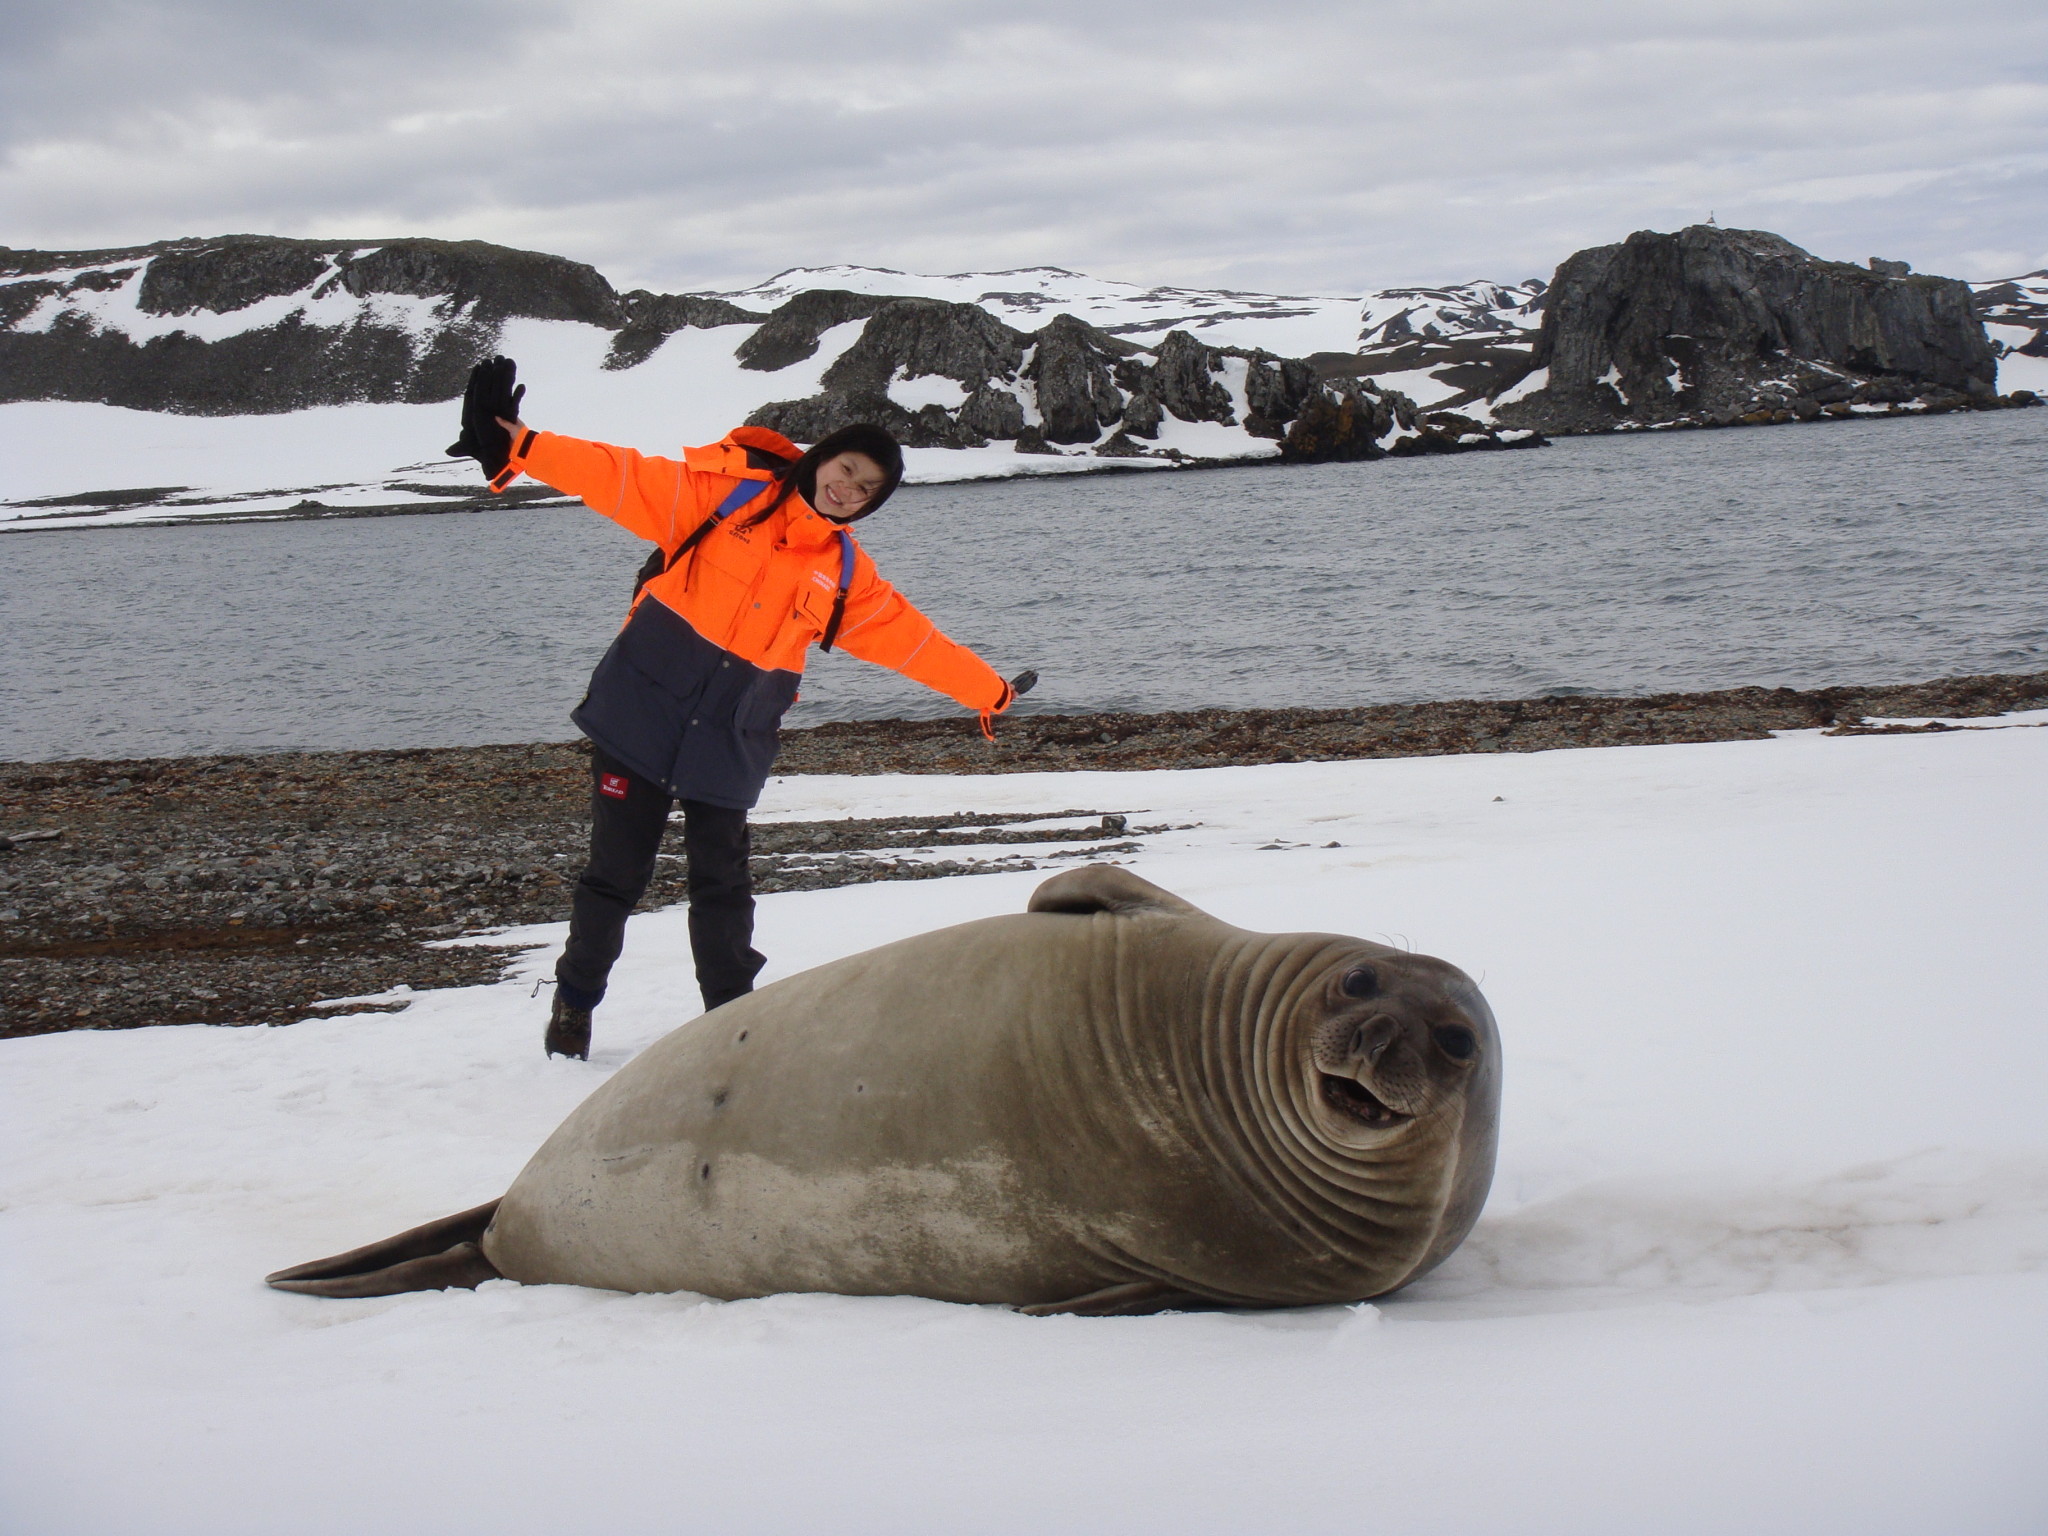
column 846, row 484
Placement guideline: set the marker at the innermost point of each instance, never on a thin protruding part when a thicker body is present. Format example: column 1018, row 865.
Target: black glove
column 489, row 396
column 1023, row 682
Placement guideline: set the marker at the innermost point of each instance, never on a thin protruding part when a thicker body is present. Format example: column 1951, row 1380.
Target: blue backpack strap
column 742, row 493
column 661, row 562
column 845, row 584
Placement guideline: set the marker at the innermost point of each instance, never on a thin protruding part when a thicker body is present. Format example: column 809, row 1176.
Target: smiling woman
column 753, row 565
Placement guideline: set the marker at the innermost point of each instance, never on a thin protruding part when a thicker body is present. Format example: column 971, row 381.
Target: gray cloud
column 1304, row 145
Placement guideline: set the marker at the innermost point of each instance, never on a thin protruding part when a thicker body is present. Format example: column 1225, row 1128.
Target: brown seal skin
column 1112, row 1103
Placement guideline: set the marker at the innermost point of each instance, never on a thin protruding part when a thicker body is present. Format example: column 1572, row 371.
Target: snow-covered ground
column 2015, row 314
column 1766, row 1252
column 1287, row 325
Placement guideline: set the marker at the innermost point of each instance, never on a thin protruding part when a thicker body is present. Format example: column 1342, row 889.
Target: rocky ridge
column 1070, row 384
column 251, row 324
column 1031, row 370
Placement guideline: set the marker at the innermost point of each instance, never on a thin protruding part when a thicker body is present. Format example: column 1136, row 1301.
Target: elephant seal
column 1112, row 1103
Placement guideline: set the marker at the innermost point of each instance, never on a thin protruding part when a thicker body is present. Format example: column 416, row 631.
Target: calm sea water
column 1832, row 553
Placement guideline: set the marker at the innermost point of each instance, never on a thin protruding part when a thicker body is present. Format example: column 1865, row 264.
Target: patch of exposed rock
column 651, row 318
column 792, row 331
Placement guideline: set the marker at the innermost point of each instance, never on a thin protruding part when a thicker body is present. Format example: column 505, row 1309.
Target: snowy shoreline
column 155, row 507
column 1766, row 1244
column 237, row 889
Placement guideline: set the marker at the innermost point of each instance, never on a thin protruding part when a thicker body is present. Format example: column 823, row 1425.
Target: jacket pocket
column 764, row 702
column 813, row 609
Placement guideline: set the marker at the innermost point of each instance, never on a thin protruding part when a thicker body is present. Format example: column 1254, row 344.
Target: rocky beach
column 263, row 889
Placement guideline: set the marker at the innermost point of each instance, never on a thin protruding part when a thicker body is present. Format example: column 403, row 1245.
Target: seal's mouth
column 1348, row 1096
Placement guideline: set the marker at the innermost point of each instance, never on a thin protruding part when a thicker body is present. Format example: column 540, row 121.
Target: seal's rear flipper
column 442, row 1255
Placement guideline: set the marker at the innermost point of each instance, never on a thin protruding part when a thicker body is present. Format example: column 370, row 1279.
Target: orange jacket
column 763, row 592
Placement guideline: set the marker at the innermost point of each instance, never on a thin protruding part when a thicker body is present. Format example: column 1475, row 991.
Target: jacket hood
column 863, row 438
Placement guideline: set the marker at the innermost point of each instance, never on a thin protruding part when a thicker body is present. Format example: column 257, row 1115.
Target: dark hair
column 801, row 476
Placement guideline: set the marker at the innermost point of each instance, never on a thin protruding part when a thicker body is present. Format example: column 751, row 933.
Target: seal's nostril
column 1378, row 1035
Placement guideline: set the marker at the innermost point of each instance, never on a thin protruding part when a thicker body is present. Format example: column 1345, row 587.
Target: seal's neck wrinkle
column 1330, row 1222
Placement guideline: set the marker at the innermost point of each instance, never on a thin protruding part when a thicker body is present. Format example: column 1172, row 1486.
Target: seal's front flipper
column 1133, row 1300
column 442, row 1255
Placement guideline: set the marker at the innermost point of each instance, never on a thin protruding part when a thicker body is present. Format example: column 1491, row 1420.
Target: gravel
column 255, row 889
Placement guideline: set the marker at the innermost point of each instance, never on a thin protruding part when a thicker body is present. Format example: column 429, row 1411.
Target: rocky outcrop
column 1071, row 384
column 249, row 324
column 1342, row 423
column 1713, row 326
column 1276, row 390
column 1073, row 376
column 1184, row 379
column 908, row 339
column 409, row 319
column 928, row 338
column 791, row 332
column 651, row 318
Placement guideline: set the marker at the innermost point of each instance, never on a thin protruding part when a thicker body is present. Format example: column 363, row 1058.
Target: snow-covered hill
column 250, row 376
column 1027, row 297
column 262, row 377
column 2015, row 311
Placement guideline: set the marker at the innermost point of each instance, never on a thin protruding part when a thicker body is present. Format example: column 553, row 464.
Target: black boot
column 569, row 1031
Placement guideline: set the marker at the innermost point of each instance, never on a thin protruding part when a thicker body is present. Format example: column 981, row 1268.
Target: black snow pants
column 627, row 818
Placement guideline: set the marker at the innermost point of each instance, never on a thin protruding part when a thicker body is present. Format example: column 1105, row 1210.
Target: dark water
column 1839, row 552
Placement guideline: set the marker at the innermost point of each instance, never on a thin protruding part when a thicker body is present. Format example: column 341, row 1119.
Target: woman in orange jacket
column 754, row 565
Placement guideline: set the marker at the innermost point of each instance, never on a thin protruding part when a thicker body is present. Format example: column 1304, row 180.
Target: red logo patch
column 613, row 784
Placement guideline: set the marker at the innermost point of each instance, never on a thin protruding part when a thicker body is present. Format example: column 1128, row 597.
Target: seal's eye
column 1455, row 1041
column 1363, row 982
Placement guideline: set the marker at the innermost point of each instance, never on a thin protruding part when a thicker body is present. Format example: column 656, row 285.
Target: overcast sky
column 1287, row 145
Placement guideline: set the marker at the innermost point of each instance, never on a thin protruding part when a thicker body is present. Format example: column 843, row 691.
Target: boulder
column 992, row 413
column 1143, row 413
